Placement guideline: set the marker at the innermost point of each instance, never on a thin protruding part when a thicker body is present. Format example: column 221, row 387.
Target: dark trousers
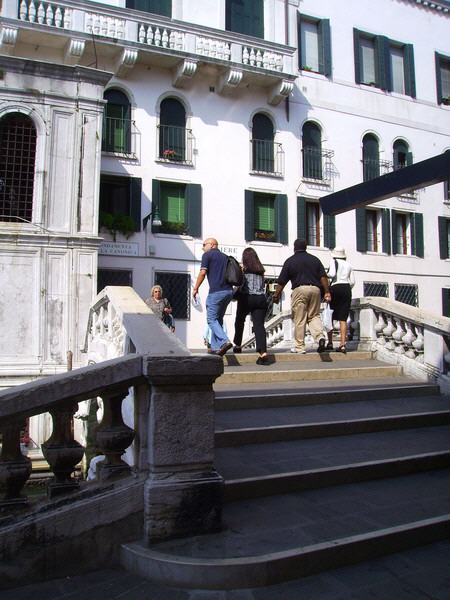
column 256, row 306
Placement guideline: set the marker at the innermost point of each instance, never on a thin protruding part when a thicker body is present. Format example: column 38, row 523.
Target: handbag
column 327, row 318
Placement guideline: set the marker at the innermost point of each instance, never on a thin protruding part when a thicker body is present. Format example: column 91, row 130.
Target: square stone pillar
column 183, row 492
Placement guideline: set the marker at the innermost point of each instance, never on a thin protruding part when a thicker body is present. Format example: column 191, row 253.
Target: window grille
column 17, row 159
column 176, row 288
column 375, row 288
column 407, row 293
column 113, row 277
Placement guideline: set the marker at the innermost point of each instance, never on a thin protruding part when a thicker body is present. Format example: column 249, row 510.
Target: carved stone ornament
column 184, row 71
column 229, row 80
column 279, row 91
column 8, row 39
column 126, row 62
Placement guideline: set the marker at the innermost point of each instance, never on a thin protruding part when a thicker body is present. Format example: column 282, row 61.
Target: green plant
column 446, row 100
column 306, row 68
column 117, row 222
column 169, row 227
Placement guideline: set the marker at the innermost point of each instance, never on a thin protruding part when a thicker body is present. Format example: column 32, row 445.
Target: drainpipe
column 286, row 40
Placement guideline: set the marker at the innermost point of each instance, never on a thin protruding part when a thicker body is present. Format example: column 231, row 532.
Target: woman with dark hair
column 251, row 300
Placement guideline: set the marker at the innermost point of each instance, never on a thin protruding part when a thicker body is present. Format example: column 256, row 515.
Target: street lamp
column 156, row 220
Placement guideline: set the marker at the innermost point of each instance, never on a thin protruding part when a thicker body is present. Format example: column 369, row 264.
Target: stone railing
column 417, row 340
column 152, row 31
column 172, row 433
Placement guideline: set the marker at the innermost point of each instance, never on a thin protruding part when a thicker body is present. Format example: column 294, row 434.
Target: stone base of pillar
column 56, row 489
column 181, row 504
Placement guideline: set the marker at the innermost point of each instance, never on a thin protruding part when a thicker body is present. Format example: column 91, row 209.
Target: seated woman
column 161, row 307
column 252, row 299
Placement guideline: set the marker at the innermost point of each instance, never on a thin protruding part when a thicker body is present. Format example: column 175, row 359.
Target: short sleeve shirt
column 302, row 269
column 215, row 262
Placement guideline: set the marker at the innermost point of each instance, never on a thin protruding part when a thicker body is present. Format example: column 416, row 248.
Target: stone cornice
column 43, row 239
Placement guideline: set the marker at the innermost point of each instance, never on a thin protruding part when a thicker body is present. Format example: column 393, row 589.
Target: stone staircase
column 327, row 460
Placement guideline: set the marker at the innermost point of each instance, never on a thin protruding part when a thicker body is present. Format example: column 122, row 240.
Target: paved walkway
column 419, row 574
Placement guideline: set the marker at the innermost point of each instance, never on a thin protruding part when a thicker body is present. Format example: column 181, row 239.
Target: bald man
column 213, row 267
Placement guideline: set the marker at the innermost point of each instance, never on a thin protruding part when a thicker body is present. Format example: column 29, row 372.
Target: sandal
column 329, row 346
column 342, row 349
column 237, row 349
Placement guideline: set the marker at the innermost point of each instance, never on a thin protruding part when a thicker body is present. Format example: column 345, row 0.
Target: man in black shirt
column 306, row 274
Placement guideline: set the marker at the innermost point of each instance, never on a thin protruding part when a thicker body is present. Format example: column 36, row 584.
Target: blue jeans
column 216, row 305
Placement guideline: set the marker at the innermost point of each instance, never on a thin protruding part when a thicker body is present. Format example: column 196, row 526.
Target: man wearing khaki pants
column 307, row 275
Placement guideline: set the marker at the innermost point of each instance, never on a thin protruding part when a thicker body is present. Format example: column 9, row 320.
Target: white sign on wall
column 119, row 248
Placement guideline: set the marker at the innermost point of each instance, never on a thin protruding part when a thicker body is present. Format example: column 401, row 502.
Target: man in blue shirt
column 213, row 266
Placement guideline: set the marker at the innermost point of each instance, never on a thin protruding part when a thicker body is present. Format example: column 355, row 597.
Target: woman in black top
column 252, row 299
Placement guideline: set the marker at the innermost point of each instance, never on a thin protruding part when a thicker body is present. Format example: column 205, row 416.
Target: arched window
column 262, row 144
column 172, row 130
column 370, row 157
column 312, row 151
column 117, row 123
column 401, row 155
column 17, row 160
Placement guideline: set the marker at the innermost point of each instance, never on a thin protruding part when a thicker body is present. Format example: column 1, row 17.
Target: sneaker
column 295, row 351
column 342, row 349
column 321, row 347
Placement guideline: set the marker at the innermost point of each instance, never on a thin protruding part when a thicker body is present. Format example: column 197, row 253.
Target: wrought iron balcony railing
column 374, row 168
column 120, row 136
column 175, row 144
column 267, row 158
column 317, row 164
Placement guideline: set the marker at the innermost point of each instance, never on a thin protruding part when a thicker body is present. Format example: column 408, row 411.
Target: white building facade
column 221, row 118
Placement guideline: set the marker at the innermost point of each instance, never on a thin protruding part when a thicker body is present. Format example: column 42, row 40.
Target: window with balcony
column 116, row 123
column 384, row 63
column 312, row 151
column 408, row 293
column 17, row 163
column 444, row 237
column 313, row 226
column 373, row 230
column 371, row 157
column 176, row 288
column 266, row 217
column 267, row 156
column 407, row 233
column 179, row 207
column 401, row 155
column 314, row 45
column 175, row 141
column 157, row 7
column 443, row 79
column 120, row 204
column 245, row 16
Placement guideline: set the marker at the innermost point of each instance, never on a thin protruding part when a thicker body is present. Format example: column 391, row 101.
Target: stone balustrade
column 171, row 428
column 153, row 32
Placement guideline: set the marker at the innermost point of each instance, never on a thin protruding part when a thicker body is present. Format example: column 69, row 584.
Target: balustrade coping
column 405, row 312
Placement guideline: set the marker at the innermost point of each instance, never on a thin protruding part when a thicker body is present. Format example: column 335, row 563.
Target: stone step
column 272, row 539
column 304, row 372
column 227, row 398
column 248, row 358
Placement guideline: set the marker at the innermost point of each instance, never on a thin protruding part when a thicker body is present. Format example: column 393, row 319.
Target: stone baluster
column 157, row 39
column 41, row 14
column 379, row 326
column 49, row 15
column 353, row 326
column 397, row 336
column 58, row 17
column 165, row 38
column 252, row 57
column 418, row 345
column 15, row 468
column 113, row 437
column 67, row 18
column 23, row 11
column 245, row 55
column 32, row 12
column 408, row 340
column 62, row 451
column 387, row 332
column 141, row 34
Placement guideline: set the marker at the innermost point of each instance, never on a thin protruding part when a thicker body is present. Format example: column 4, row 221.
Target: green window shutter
column 301, row 217
column 446, row 302
column 438, row 77
column 173, row 204
column 329, row 231
column 325, row 46
column 281, row 218
column 361, row 233
column 194, row 209
column 417, row 229
column 264, row 211
column 443, row 239
column 135, row 201
column 383, row 63
column 410, row 75
column 386, row 230
column 245, row 16
column 357, row 53
column 394, row 232
column 156, row 204
column 249, row 216
column 157, row 7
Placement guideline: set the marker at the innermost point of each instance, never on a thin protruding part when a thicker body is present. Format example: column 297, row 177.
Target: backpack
column 233, row 272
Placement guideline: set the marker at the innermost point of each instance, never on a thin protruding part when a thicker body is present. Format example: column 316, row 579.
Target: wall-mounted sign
column 119, row 248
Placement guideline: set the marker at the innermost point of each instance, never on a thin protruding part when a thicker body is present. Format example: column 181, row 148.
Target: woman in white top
column 342, row 280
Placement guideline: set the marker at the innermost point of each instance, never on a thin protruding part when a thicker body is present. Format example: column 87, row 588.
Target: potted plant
column 169, row 154
column 446, row 100
column 117, row 222
column 306, row 68
column 268, row 236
